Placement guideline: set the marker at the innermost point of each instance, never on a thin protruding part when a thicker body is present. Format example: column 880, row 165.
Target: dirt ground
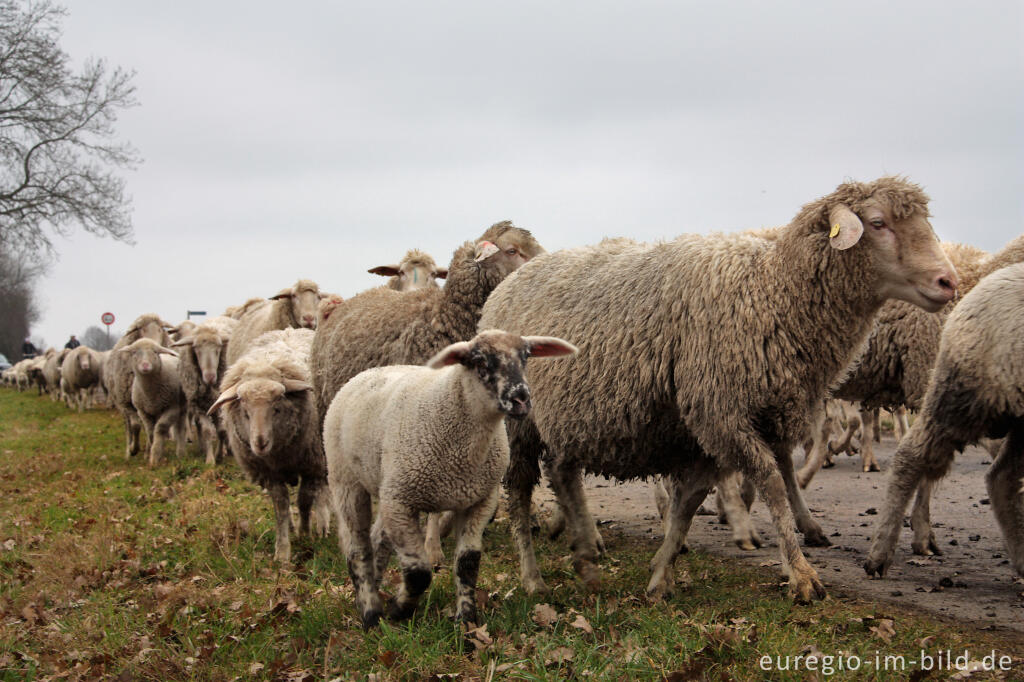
column 984, row 591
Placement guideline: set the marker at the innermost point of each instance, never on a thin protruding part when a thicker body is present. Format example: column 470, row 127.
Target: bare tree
column 57, row 148
column 97, row 339
column 19, row 270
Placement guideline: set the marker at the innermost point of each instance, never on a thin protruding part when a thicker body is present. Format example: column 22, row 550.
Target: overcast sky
column 319, row 139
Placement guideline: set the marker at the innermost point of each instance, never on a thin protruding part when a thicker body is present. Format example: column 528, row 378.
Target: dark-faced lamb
column 266, row 407
column 704, row 355
column 425, row 439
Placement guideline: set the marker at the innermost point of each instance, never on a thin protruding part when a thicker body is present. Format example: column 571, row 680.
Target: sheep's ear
column 284, row 293
column 548, row 346
column 131, row 330
column 228, row 395
column 441, row 273
column 167, row 325
column 845, row 227
column 452, row 355
column 485, row 250
column 184, row 342
column 166, row 351
column 296, row 386
column 384, row 270
column 172, row 330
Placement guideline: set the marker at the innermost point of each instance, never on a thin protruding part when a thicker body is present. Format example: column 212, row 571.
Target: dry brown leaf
column 255, row 668
column 926, row 642
column 388, row 658
column 884, row 630
column 582, row 624
column 545, row 615
column 480, row 638
column 559, row 655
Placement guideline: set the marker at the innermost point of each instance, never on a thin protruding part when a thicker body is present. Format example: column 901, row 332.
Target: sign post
column 107, row 319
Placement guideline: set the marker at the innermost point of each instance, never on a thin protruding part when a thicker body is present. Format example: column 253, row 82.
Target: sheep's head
column 149, row 326
column 265, row 411
column 183, row 330
column 84, row 359
column 207, row 345
column 416, row 270
column 145, row 355
column 303, row 299
column 505, row 247
column 498, row 361
column 327, row 305
column 889, row 217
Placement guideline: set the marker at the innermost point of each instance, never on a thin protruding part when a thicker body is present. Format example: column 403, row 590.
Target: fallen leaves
column 544, row 615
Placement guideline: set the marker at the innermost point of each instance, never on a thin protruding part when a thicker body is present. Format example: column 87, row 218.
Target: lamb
column 706, row 355
column 118, row 374
column 295, row 306
column 416, row 270
column 201, row 366
column 425, row 439
column 384, row 327
column 35, row 373
column 976, row 391
column 81, row 370
column 157, row 395
column 266, row 407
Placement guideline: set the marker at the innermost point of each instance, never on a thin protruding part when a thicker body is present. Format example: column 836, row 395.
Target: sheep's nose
column 947, row 283
column 261, row 444
column 307, row 320
column 209, row 378
column 520, row 399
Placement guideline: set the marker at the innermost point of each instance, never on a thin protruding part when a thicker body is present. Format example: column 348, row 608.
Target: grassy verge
column 110, row 569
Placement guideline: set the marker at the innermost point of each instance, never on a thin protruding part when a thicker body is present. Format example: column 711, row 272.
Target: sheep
column 425, row 439
column 118, row 374
column 34, row 370
column 706, row 355
column 976, row 391
column 416, row 270
column 184, row 330
column 51, row 371
column 295, row 306
column 266, row 407
column 81, row 370
column 897, row 362
column 238, row 311
column 157, row 395
column 201, row 366
column 384, row 327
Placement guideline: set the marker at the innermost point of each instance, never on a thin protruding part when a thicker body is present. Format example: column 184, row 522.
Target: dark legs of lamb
column 469, row 533
column 355, row 508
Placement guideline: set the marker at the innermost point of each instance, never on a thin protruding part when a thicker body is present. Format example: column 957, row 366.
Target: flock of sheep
column 704, row 361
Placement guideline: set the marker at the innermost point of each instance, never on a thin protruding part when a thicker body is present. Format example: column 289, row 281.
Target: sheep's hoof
column 660, row 590
column 828, row 464
column 806, row 589
column 398, row 612
column 685, row 549
column 872, row 467
column 601, row 549
column 816, row 538
column 371, row 619
column 875, row 566
column 927, row 547
column 589, row 573
column 749, row 544
column 535, row 585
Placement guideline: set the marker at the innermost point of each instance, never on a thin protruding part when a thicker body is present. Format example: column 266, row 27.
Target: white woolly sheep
column 976, row 391
column 266, row 408
column 202, row 364
column 118, row 374
column 293, row 307
column 416, row 270
column 81, row 370
column 156, row 394
column 425, row 439
column 707, row 354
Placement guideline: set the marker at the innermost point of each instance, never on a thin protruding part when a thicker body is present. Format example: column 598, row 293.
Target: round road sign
column 107, row 318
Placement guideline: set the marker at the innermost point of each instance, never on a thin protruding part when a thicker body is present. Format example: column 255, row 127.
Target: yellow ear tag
column 834, row 232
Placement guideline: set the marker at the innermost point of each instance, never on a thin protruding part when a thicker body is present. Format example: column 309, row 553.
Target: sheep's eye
column 877, row 223
column 511, row 251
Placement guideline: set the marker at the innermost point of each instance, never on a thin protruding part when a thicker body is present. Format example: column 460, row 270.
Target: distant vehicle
column 3, row 362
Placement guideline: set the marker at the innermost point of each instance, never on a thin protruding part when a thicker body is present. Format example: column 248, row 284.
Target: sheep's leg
column 924, row 542
column 920, row 453
column 154, row 439
column 759, row 463
column 732, row 504
column 815, row 457
column 661, row 501
column 401, row 525
column 559, row 518
column 80, row 400
column 567, row 482
column 813, row 535
column 310, row 492
column 869, row 419
column 1005, row 483
column 278, row 493
column 353, row 506
column 469, row 529
column 684, row 500
column 210, row 439
column 178, row 419
column 322, row 511
column 432, row 543
column 902, row 425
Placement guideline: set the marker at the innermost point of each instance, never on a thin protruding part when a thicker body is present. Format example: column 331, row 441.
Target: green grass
column 110, row 569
